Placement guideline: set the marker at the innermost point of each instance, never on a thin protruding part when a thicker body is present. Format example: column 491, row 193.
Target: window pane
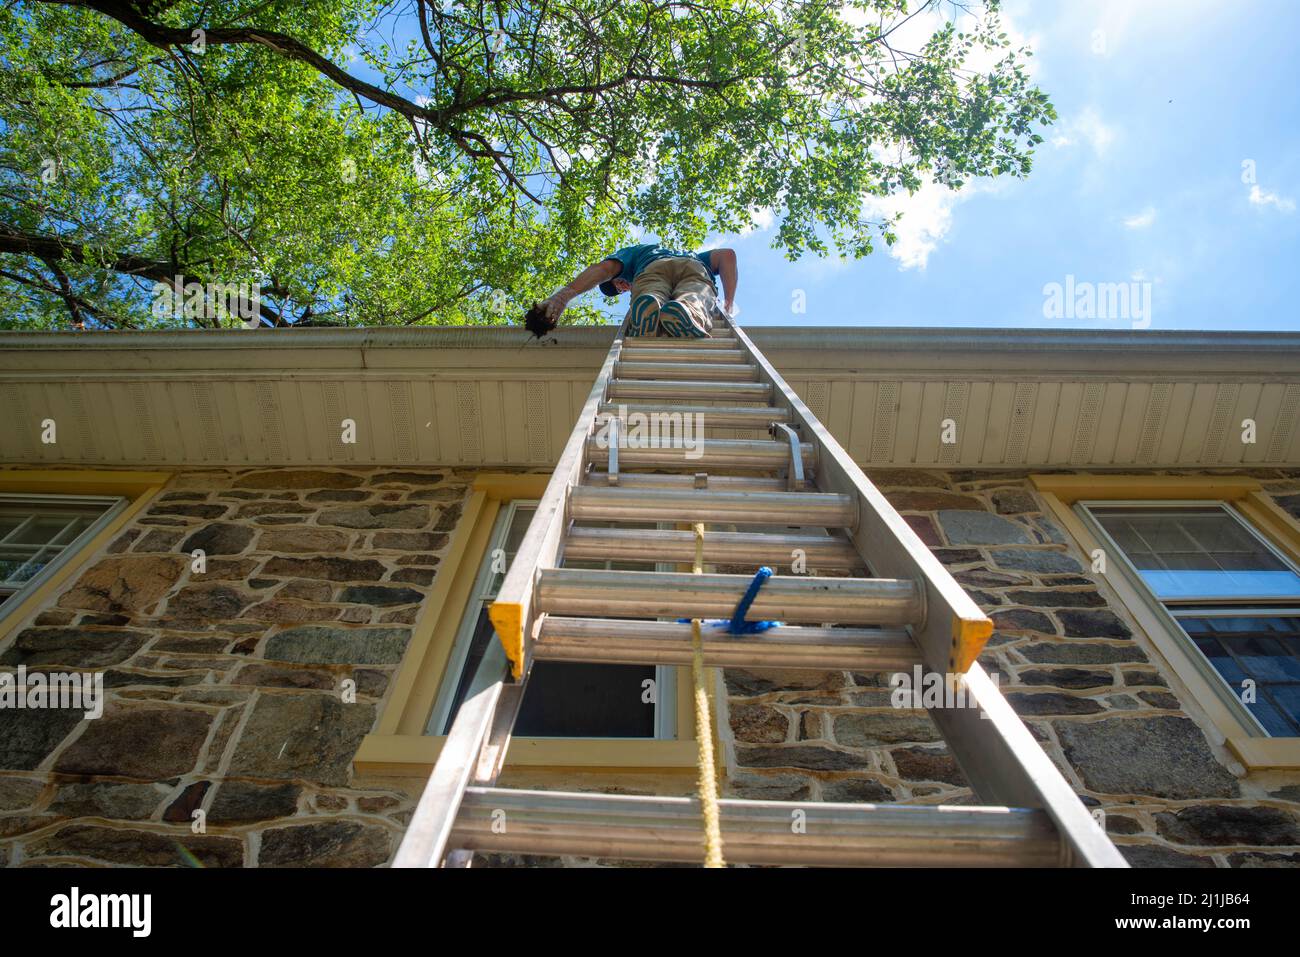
column 563, row 699
column 1264, row 649
column 33, row 533
column 514, row 537
column 573, row 700
column 483, row 633
column 1273, row 720
column 1287, row 698
column 39, row 531
column 18, row 571
column 1198, row 552
column 566, row 699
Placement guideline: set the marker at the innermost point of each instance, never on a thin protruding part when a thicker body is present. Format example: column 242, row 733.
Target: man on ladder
column 672, row 292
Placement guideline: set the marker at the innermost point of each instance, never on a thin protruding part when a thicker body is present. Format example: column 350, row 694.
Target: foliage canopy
column 429, row 161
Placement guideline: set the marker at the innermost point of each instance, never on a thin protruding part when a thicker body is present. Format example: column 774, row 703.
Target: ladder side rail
column 954, row 628
column 999, row 755
column 492, row 755
column 425, row 841
column 514, row 613
column 1005, row 765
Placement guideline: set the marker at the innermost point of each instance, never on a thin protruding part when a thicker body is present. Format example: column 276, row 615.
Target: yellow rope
column 704, row 732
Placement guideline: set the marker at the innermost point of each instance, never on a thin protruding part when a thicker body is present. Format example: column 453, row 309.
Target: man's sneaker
column 676, row 321
column 643, row 316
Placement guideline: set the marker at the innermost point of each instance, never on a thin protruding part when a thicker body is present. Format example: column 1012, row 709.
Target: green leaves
column 451, row 162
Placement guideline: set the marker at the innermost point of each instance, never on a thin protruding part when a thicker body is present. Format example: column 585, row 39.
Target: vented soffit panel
column 949, row 398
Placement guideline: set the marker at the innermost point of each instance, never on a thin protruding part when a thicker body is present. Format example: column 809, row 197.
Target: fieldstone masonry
column 225, row 688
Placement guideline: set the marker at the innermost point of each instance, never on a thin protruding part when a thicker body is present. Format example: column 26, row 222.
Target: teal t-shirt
column 636, row 258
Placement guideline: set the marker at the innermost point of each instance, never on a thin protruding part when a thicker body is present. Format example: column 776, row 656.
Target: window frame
column 665, row 675
column 112, row 507
column 135, row 489
column 1203, row 606
column 1230, row 611
column 1198, row 681
column 399, row 747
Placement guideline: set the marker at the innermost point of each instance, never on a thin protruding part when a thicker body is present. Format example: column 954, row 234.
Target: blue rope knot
column 736, row 624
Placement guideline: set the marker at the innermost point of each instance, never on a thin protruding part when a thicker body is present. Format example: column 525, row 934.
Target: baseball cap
column 607, row 287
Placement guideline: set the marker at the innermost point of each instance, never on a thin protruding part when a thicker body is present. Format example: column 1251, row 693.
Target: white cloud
column 1089, row 127
column 1262, row 197
column 1141, row 220
column 763, row 219
column 927, row 213
column 927, row 218
column 913, row 31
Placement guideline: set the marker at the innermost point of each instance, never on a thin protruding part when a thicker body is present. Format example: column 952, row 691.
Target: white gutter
column 1260, row 354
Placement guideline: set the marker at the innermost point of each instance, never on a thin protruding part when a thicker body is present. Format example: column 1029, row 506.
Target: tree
column 428, row 161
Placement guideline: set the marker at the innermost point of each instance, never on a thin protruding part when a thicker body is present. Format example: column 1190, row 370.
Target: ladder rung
column 720, row 372
column 636, row 353
column 715, row 417
column 716, row 343
column 630, row 504
column 726, row 483
column 794, row 598
column 706, row 454
column 727, row 548
column 683, row 389
column 617, row 641
column 631, row 827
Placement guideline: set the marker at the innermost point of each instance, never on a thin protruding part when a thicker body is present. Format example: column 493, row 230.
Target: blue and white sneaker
column 677, row 322
column 643, row 316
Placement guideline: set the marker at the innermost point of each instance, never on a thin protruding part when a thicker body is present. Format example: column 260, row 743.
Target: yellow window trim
column 139, row 488
column 399, row 747
column 1246, row 495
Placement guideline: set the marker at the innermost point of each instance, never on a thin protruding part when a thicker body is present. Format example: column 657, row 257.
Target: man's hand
column 556, row 304
column 605, row 269
column 723, row 262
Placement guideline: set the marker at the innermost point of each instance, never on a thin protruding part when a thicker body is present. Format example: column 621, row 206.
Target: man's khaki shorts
column 682, row 284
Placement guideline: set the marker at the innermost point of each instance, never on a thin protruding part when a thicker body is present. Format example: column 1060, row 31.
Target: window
column 40, row 532
column 571, row 723
column 564, row 699
column 1232, row 596
column 1263, row 648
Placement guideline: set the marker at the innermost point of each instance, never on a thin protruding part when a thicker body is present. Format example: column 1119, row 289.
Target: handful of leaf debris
column 537, row 321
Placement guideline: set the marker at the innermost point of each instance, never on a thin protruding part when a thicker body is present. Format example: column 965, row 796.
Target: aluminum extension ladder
column 915, row 613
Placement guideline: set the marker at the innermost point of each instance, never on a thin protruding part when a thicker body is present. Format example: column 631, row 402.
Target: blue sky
column 1174, row 168
column 1140, row 180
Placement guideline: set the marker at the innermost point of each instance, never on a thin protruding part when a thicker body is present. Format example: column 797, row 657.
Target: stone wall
column 1094, row 692
column 225, row 687
column 226, row 690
